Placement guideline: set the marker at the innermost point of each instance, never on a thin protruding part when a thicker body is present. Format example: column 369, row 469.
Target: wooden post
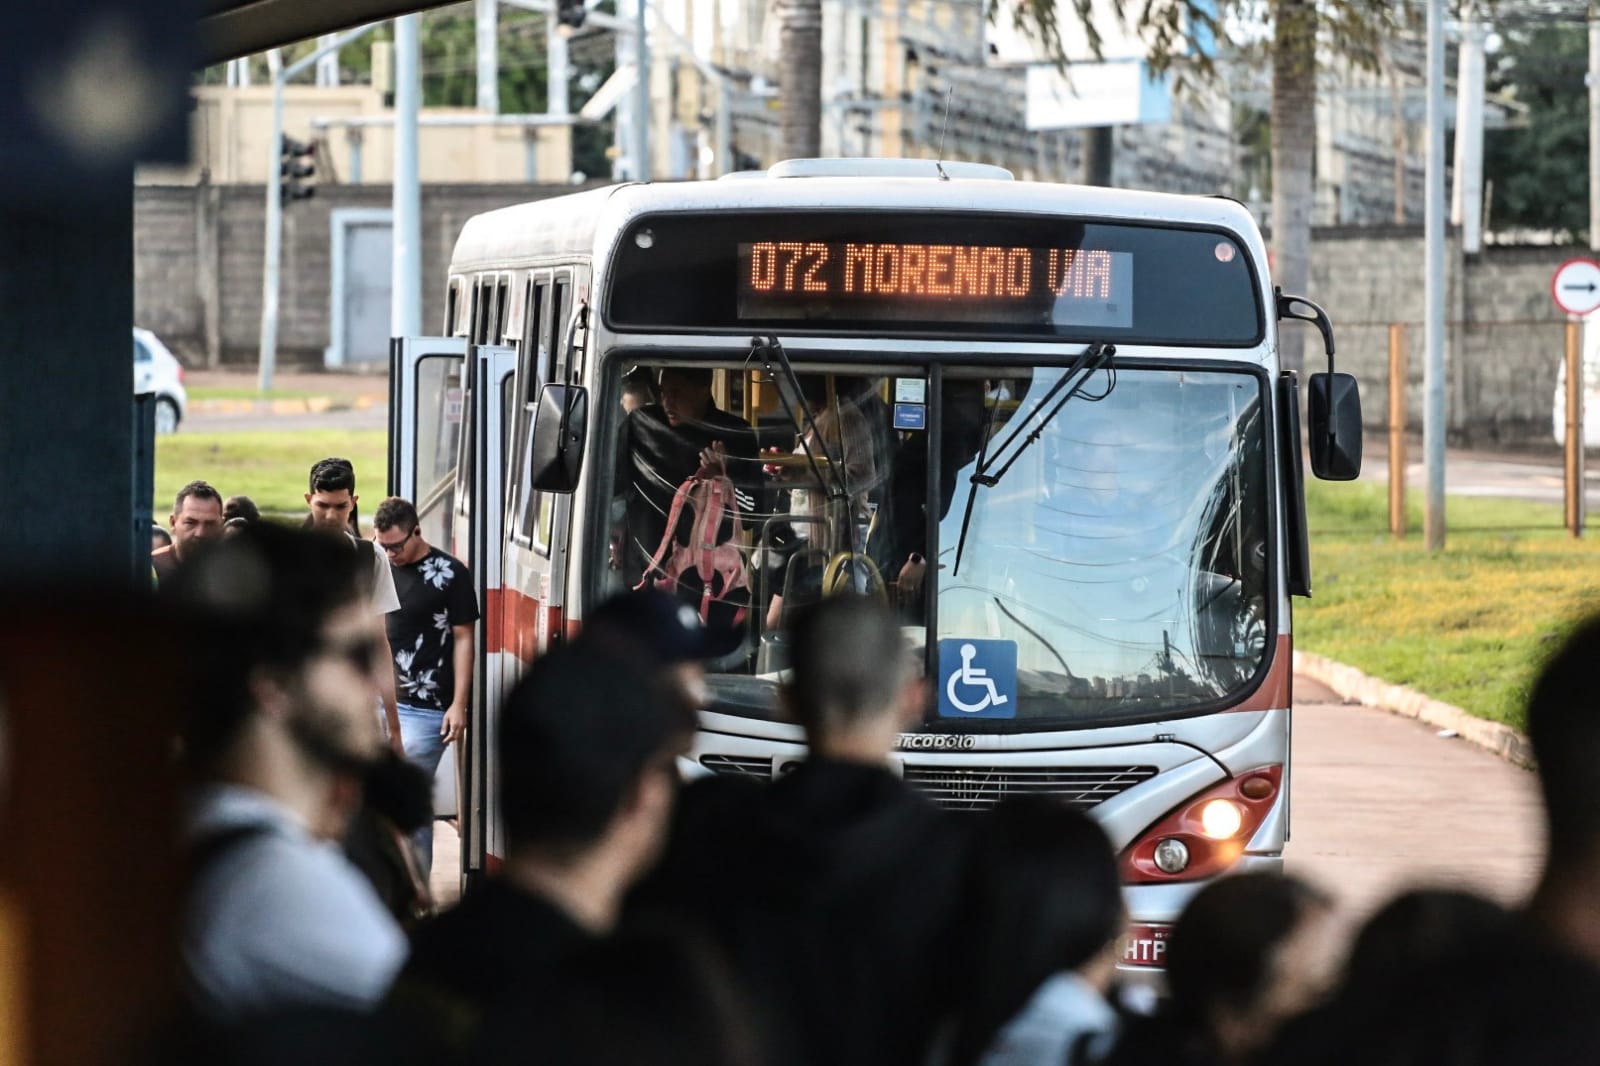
column 1397, row 430
column 1574, row 449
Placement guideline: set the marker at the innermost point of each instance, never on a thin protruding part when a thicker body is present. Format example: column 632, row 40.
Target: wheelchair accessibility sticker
column 977, row 678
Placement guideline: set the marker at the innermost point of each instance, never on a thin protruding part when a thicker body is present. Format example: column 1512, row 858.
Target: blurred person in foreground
column 665, row 635
column 838, row 915
column 276, row 917
column 1248, row 953
column 331, row 499
column 643, row 997
column 1564, row 729
column 1043, row 917
column 585, row 753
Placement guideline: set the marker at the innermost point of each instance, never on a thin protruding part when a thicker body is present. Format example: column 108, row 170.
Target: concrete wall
column 231, row 134
column 1504, row 337
column 198, row 254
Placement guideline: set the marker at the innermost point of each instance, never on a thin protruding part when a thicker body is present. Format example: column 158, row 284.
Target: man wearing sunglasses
column 275, row 917
column 430, row 637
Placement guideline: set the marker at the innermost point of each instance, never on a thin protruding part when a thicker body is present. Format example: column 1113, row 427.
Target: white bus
column 1066, row 402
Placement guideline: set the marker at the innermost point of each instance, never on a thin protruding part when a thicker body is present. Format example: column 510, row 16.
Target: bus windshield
column 1114, row 563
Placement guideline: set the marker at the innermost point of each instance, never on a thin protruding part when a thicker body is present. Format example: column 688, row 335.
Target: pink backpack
column 703, row 570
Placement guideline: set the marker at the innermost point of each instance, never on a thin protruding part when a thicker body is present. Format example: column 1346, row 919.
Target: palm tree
column 800, row 77
column 1294, row 143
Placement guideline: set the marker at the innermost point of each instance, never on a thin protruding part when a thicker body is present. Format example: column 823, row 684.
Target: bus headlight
column 1172, row 856
column 1220, row 819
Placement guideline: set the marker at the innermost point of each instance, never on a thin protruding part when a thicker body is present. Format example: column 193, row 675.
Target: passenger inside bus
column 831, row 474
column 666, row 443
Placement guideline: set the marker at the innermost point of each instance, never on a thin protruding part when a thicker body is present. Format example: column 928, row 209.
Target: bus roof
column 570, row 227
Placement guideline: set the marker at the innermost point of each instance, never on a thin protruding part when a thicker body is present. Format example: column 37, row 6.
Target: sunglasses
column 358, row 652
column 393, row 546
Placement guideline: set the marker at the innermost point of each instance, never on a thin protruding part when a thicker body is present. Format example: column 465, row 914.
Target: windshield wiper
column 1094, row 358
column 775, row 360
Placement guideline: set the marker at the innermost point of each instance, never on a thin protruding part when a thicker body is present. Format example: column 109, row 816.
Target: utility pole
column 1433, row 427
column 641, row 132
column 1466, row 202
column 273, row 256
column 488, row 54
column 1594, row 124
column 557, row 100
column 327, row 63
column 405, row 308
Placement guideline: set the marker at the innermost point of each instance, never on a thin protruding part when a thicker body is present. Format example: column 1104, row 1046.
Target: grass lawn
column 1469, row 625
column 239, row 392
column 269, row 467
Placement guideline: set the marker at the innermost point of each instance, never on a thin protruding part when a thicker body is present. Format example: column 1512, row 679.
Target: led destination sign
column 931, row 282
column 933, row 274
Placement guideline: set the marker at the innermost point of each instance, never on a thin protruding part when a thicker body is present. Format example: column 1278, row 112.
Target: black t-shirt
column 494, row 945
column 655, row 457
column 435, row 593
column 840, row 916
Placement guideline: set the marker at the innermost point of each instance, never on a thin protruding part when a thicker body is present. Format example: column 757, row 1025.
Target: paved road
column 1531, row 476
column 1380, row 802
column 206, row 422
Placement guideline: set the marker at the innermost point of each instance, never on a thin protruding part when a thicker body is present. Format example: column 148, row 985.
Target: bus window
column 561, row 307
column 483, row 311
column 537, row 359
column 502, row 304
column 815, row 498
column 438, row 435
column 1121, row 554
column 452, row 297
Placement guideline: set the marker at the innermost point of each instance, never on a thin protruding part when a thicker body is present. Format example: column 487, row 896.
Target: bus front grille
column 738, row 765
column 976, row 788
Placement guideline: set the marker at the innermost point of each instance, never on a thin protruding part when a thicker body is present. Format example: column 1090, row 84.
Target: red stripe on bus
column 1278, row 688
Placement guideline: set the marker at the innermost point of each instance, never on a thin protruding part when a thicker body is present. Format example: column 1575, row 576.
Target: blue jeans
column 419, row 732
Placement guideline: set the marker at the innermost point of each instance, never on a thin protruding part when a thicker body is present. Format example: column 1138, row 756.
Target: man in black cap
column 666, row 636
column 586, row 747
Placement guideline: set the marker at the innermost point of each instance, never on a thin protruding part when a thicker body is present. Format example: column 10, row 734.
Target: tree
column 1354, row 30
column 800, row 77
column 1540, row 170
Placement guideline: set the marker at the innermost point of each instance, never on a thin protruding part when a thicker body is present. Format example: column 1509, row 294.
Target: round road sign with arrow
column 1576, row 286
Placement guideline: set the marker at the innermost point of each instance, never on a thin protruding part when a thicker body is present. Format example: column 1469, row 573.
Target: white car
column 157, row 370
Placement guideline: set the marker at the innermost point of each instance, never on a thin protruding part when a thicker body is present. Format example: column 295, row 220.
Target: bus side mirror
column 1335, row 410
column 560, row 427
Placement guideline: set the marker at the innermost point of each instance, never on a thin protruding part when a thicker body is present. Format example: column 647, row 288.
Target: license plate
column 1145, row 946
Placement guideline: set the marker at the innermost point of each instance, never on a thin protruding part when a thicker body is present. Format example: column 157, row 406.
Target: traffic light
column 297, row 161
column 571, row 12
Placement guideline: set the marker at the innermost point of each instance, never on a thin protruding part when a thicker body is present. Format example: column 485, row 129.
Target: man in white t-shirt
column 332, row 500
column 275, row 917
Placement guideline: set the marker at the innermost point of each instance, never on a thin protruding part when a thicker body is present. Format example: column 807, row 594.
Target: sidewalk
column 308, row 391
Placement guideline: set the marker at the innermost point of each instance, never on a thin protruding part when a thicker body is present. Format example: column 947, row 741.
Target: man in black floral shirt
column 431, row 638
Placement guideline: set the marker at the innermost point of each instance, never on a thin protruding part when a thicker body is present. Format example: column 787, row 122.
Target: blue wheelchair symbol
column 977, row 678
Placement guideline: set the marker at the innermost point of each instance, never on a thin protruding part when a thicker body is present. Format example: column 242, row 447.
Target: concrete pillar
column 66, row 384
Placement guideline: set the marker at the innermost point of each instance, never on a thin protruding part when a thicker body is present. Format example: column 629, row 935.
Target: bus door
column 479, row 536
column 537, row 522
column 425, row 398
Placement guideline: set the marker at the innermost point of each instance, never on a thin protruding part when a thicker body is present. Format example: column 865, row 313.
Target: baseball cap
column 662, row 625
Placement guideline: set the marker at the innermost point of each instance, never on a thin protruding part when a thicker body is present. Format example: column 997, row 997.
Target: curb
column 1351, row 684
column 304, row 405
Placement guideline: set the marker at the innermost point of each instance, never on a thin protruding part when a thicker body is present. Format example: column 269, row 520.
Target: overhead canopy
column 233, row 28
